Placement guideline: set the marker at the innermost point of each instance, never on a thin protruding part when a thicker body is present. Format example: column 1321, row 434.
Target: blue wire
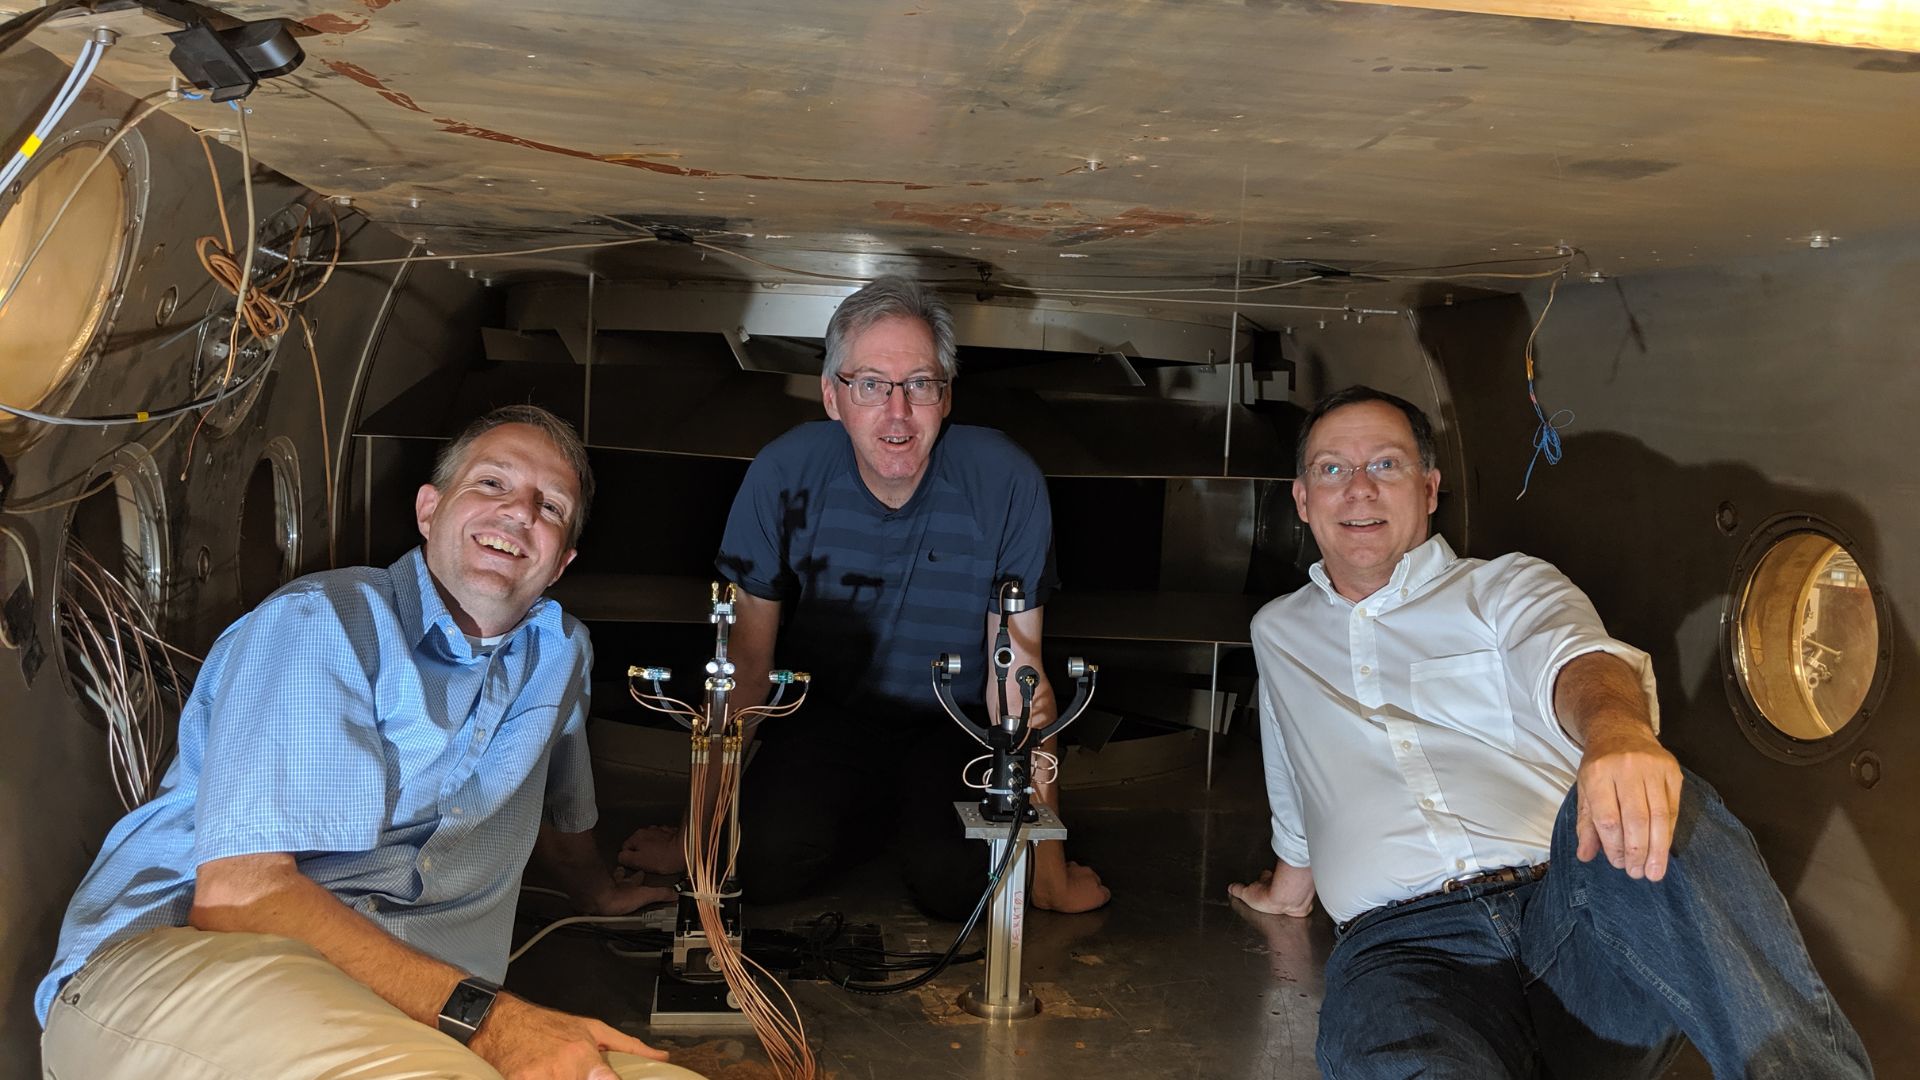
column 1546, row 439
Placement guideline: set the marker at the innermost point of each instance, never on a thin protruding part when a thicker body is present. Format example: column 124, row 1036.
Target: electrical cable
column 143, row 416
column 167, row 99
column 827, row 927
column 1546, row 438
column 326, row 440
column 83, row 66
column 459, row 257
column 42, row 502
column 17, row 28
column 106, row 629
column 264, row 326
column 946, row 960
column 573, row 920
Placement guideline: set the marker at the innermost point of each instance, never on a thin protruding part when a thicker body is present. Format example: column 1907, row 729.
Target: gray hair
column 885, row 298
column 453, row 456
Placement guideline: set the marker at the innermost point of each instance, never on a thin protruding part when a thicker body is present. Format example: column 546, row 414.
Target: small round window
column 1806, row 642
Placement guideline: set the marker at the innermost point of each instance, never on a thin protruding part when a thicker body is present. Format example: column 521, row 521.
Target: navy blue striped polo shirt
column 870, row 595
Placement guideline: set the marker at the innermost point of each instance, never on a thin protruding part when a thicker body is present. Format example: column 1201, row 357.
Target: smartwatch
column 467, row 1008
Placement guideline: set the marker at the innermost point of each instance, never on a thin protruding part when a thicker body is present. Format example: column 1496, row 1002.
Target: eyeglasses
column 1386, row 471
column 921, row 390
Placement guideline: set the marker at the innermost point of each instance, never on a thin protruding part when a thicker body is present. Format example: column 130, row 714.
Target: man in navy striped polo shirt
column 865, row 545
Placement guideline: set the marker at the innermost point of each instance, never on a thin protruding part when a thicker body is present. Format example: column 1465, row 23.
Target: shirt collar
column 423, row 613
column 1415, row 569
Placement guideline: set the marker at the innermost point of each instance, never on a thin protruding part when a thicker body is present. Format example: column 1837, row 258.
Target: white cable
column 26, row 557
column 246, row 264
column 985, row 780
column 105, row 151
column 571, row 920
column 459, row 257
column 83, row 66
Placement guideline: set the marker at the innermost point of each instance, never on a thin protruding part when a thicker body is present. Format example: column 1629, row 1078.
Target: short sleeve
column 1026, row 542
column 294, row 759
column 1544, row 622
column 570, row 804
column 1283, row 791
column 751, row 553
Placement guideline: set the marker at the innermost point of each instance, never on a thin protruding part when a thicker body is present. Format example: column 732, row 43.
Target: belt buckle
column 1500, row 876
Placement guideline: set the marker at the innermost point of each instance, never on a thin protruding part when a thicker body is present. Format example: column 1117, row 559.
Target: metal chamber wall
column 1784, row 385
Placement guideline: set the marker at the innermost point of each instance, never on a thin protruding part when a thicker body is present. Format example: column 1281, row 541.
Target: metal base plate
column 1048, row 827
column 970, row 1000
column 682, row 1005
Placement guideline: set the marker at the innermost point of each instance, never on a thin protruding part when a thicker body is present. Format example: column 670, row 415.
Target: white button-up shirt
column 1411, row 738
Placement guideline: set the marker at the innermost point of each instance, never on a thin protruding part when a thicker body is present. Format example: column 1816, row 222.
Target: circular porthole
column 124, row 525
column 1805, row 646
column 67, row 293
column 270, row 516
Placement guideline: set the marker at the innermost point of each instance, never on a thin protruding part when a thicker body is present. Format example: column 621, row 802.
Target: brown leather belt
column 1506, row 875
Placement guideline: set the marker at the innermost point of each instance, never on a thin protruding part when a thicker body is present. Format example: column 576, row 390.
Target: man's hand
column 1283, row 890
column 1629, row 794
column 655, row 849
column 526, row 1042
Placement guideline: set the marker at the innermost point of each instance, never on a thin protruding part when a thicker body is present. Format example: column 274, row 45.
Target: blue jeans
column 1590, row 973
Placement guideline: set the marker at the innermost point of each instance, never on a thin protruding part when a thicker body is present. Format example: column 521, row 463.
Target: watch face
column 466, row 1007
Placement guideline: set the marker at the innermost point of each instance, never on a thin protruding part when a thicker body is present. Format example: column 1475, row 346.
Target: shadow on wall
column 1638, row 531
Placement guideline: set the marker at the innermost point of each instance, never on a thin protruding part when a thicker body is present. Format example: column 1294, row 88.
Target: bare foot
column 1079, row 890
column 655, row 849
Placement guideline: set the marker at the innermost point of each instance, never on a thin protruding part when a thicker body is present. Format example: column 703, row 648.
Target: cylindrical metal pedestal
column 1001, row 995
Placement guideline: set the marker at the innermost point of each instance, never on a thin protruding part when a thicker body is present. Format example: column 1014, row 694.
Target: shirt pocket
column 1467, row 693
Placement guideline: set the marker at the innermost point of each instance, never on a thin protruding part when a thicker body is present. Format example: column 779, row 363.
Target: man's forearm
column 1598, row 697
column 574, row 860
column 272, row 896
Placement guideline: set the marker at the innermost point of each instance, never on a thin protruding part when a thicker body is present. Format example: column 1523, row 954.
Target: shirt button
column 1459, row 864
column 1426, row 804
column 1365, row 670
column 426, row 863
column 457, row 811
column 1404, row 745
column 1403, row 594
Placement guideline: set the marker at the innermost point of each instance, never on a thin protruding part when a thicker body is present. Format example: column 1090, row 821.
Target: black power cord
column 953, row 951
column 18, row 27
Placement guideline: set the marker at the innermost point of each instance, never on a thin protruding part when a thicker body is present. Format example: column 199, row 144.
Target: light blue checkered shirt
column 349, row 721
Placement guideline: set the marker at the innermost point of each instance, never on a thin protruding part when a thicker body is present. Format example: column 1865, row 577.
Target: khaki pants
column 187, row 1005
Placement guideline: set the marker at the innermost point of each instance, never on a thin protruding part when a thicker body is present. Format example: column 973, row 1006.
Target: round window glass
column 61, row 301
column 1807, row 637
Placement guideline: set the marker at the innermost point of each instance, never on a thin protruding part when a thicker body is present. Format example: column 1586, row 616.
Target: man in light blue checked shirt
column 325, row 884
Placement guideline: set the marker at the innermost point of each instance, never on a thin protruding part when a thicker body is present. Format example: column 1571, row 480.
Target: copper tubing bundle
column 712, row 840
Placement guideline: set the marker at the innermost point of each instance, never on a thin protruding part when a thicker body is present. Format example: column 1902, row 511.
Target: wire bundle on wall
column 119, row 662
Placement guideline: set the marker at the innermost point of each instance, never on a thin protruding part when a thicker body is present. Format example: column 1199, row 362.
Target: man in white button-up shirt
column 1450, row 743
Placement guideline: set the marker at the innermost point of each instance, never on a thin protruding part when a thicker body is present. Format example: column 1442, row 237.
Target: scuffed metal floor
column 1171, row 978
